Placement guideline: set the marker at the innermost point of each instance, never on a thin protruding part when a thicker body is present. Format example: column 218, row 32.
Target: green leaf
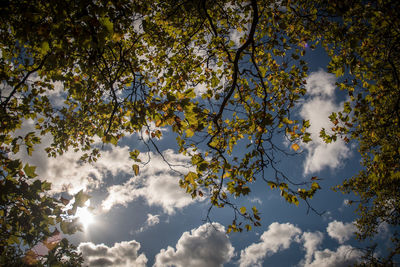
column 46, row 186
column 30, row 171
column 45, row 47
column 80, row 199
column 107, row 24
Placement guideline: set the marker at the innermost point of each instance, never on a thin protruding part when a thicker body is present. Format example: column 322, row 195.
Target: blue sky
column 148, row 220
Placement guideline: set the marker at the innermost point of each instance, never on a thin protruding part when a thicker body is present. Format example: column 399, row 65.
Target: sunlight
column 85, row 216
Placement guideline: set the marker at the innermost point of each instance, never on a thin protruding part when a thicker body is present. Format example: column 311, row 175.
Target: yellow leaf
column 30, row 258
column 191, row 177
column 189, row 132
column 135, row 169
column 243, row 210
column 295, row 147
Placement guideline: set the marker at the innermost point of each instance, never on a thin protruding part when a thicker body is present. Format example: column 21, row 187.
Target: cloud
column 341, row 231
column 206, row 246
column 344, row 256
column 311, row 241
column 256, row 200
column 151, row 221
column 321, row 83
column 123, row 254
column 157, row 183
column 320, row 87
column 277, row 237
column 65, row 172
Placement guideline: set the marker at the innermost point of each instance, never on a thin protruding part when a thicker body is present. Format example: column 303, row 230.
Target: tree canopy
column 222, row 75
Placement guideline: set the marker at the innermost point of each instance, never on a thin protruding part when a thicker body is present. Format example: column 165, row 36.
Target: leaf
column 45, row 47
column 30, row 258
column 80, row 199
column 315, row 186
column 243, row 210
column 295, row 147
column 107, row 24
column 135, row 168
column 191, row 177
column 134, row 154
column 189, row 132
column 64, row 201
column 30, row 171
column 46, row 186
column 272, row 184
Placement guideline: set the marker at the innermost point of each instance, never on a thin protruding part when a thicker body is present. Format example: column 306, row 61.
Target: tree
column 222, row 76
column 29, row 216
column 362, row 39
column 118, row 79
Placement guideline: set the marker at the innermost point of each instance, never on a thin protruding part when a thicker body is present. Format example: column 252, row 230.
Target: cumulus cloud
column 344, row 256
column 341, row 231
column 277, row 237
column 321, row 103
column 157, row 183
column 123, row 254
column 206, row 246
column 310, row 241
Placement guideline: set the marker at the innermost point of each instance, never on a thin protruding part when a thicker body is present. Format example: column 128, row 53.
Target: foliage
column 28, row 216
column 362, row 40
column 120, row 73
column 121, row 67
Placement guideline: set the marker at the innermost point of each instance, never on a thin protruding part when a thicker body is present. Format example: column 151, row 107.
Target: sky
column 148, row 220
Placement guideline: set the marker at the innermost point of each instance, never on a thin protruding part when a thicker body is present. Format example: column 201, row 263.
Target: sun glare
column 85, row 216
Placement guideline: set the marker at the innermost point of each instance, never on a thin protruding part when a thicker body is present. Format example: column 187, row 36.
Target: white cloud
column 256, row 200
column 341, row 231
column 151, row 221
column 156, row 183
column 311, row 241
column 321, row 83
column 321, row 86
column 123, row 254
column 277, row 237
column 344, row 256
column 206, row 246
column 65, row 172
